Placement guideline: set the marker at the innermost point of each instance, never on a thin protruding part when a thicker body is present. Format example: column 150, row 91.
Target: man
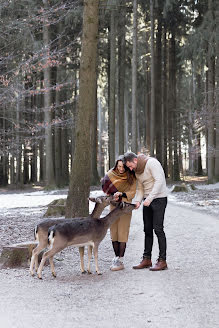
column 152, row 190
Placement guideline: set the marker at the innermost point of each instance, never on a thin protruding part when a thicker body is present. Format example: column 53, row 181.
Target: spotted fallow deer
column 41, row 233
column 81, row 232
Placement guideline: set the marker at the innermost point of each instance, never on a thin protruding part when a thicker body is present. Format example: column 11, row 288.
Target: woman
column 120, row 182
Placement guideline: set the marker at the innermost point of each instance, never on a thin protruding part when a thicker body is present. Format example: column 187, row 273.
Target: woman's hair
column 130, row 174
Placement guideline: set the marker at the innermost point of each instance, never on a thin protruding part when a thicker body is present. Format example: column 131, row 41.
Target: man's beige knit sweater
column 152, row 182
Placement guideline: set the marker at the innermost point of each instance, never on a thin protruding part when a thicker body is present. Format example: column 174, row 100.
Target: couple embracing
column 120, row 181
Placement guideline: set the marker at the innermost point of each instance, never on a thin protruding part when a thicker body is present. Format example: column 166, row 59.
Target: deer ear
column 92, row 199
column 122, row 205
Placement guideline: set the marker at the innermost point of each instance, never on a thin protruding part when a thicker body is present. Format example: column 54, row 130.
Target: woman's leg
column 122, row 247
column 114, row 237
column 116, row 247
column 123, row 233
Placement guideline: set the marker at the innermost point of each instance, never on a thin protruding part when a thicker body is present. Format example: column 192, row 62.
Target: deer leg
column 89, row 251
column 34, row 258
column 81, row 251
column 47, row 255
column 52, row 266
column 96, row 259
column 36, row 263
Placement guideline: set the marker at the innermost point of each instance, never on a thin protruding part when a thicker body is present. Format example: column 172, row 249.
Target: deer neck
column 98, row 209
column 112, row 216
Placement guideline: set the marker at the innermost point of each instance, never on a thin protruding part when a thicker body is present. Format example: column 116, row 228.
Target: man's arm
column 139, row 194
column 159, row 180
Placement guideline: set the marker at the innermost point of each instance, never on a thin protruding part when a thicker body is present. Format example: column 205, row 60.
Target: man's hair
column 129, row 156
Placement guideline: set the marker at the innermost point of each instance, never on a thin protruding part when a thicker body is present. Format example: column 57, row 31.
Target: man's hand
column 137, row 205
column 146, row 203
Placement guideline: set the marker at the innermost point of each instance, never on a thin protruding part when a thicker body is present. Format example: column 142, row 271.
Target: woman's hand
column 117, row 195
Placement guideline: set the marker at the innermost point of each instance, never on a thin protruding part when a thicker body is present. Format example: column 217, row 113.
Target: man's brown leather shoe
column 145, row 263
column 160, row 265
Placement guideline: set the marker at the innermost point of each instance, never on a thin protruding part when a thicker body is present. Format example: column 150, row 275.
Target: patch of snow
column 209, row 186
column 97, row 193
column 33, row 199
column 36, row 199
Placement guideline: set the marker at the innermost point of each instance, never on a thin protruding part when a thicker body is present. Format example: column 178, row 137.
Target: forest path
column 185, row 295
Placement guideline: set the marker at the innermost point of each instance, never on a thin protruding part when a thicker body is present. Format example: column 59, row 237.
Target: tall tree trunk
column 65, row 155
column 176, row 175
column 25, row 165
column 40, row 104
column 180, row 149
column 12, row 160
column 77, row 200
column 50, row 178
column 147, row 91
column 57, row 128
column 164, row 102
column 75, row 114
column 94, row 174
column 126, row 121
column 147, row 110
column 112, row 83
column 19, row 179
column 121, row 87
column 33, row 157
column 158, row 88
column 190, row 130
column 171, row 102
column 199, row 167
column 217, row 97
column 152, row 111
column 134, row 79
column 210, row 127
column 4, row 157
column 100, row 138
column 57, row 136
column 199, row 91
column 176, row 130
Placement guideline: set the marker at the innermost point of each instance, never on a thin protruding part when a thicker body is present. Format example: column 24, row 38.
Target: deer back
column 80, row 231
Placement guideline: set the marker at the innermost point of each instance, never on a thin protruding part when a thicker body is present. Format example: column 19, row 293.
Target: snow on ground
column 35, row 199
column 182, row 296
column 205, row 197
column 209, row 186
column 32, row 199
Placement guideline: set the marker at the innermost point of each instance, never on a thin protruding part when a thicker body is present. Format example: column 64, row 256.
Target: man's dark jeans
column 153, row 217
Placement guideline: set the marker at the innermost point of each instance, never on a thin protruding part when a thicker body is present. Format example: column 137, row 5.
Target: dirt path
column 186, row 295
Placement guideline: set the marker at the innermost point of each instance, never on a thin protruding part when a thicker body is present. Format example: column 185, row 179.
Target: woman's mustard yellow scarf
column 115, row 181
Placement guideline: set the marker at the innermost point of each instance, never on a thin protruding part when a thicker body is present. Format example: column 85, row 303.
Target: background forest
column 156, row 87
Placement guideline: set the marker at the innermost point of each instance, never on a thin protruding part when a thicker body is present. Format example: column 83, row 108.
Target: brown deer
column 41, row 233
column 81, row 232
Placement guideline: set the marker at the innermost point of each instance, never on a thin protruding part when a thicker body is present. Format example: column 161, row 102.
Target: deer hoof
column 54, row 274
column 83, row 272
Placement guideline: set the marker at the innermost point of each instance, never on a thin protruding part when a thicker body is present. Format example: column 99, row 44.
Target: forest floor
column 185, row 295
